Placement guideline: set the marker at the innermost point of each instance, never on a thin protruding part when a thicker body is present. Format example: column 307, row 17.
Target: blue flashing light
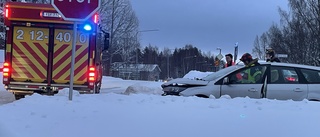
column 87, row 27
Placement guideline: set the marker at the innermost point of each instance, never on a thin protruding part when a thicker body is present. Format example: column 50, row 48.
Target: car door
column 284, row 84
column 239, row 86
column 312, row 78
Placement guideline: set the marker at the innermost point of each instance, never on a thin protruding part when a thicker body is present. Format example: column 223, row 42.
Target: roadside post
column 81, row 11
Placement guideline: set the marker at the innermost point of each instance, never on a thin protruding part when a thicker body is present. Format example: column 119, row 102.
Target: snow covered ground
column 128, row 108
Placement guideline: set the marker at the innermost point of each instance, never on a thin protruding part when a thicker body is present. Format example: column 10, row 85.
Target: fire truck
column 38, row 51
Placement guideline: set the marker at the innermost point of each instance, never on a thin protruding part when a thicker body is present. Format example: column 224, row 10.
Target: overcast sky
column 206, row 24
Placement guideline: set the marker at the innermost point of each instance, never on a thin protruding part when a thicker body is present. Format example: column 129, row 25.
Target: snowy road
column 136, row 109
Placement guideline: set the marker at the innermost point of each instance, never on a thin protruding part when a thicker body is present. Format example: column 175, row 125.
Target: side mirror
column 226, row 81
column 106, row 41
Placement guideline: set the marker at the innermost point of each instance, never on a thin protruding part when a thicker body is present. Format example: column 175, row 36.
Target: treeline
column 297, row 36
column 172, row 62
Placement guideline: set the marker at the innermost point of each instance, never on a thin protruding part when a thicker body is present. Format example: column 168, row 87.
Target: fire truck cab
column 38, row 51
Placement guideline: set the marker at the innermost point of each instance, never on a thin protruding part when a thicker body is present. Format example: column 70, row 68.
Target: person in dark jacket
column 270, row 54
column 229, row 61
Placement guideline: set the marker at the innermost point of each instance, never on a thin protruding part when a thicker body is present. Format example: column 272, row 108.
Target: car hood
column 185, row 81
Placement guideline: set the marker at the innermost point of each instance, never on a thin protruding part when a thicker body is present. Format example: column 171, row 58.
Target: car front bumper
column 170, row 93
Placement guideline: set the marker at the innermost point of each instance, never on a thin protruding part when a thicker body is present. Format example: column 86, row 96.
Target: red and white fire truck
column 38, row 51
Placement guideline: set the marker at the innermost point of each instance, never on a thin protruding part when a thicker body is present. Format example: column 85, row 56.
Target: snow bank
column 145, row 89
column 193, row 74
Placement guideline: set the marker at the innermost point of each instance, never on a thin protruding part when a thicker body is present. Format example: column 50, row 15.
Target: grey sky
column 206, row 24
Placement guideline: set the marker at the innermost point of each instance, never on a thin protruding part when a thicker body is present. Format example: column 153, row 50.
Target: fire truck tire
column 18, row 96
column 97, row 88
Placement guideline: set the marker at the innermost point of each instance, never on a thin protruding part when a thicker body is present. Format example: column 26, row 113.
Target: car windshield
column 222, row 72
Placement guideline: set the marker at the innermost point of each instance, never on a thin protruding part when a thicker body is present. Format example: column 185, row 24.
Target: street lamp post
column 168, row 68
column 183, row 62
column 219, row 50
column 140, row 31
column 219, row 59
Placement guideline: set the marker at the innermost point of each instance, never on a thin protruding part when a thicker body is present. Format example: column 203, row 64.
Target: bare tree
column 260, row 44
column 301, row 31
column 275, row 37
column 2, row 27
column 118, row 18
column 298, row 34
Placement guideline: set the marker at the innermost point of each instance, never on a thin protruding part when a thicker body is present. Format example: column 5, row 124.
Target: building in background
column 149, row 72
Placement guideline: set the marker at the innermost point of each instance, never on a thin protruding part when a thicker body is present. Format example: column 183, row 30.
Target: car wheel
column 202, row 96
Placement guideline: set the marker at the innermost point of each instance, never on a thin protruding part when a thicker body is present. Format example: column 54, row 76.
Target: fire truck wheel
column 97, row 88
column 18, row 96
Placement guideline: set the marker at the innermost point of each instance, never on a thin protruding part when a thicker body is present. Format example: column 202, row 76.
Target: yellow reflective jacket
column 252, row 78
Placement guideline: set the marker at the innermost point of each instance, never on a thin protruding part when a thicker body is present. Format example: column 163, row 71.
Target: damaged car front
column 204, row 87
column 176, row 86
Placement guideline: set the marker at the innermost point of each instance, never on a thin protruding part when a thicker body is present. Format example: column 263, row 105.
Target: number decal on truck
column 38, row 35
column 83, row 38
column 66, row 37
column 20, row 34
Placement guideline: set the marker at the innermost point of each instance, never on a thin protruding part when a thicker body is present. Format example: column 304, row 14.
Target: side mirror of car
column 226, row 81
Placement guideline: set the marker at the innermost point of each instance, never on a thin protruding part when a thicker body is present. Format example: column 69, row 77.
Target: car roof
column 291, row 65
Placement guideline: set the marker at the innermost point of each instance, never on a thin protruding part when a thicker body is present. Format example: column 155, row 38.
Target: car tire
column 202, row 96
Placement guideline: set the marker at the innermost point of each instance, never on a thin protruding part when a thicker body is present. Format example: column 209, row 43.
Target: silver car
column 282, row 81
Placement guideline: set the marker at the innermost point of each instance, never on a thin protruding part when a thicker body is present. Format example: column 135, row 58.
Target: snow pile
column 141, row 88
column 148, row 114
column 65, row 92
column 196, row 74
column 120, row 86
column 5, row 96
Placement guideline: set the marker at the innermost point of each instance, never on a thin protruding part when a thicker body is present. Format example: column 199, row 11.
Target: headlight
column 174, row 89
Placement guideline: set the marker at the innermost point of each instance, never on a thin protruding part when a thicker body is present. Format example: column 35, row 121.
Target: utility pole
column 168, row 66
column 137, row 45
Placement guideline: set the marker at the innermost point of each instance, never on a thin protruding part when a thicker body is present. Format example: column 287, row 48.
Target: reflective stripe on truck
column 30, row 54
column 62, row 57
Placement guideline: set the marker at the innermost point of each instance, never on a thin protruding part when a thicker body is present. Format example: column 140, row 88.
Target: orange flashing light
column 5, row 69
column 92, row 74
column 6, row 64
column 91, row 78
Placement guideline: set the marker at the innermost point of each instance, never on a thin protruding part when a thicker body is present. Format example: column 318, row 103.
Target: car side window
column 283, row 75
column 312, row 76
column 274, row 75
column 248, row 75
